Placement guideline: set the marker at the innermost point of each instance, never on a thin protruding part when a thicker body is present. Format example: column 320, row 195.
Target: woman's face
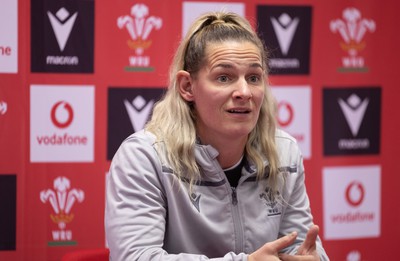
column 228, row 91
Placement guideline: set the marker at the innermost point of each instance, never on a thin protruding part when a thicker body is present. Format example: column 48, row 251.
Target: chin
column 237, row 133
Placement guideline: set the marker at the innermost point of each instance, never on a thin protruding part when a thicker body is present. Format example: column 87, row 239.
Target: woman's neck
column 230, row 151
column 228, row 159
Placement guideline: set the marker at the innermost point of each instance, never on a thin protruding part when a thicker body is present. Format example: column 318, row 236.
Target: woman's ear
column 184, row 82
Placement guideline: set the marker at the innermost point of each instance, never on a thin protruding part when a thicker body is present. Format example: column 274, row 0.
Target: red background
column 110, row 56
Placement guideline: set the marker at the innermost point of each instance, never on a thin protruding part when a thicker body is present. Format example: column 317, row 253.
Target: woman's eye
column 254, row 79
column 223, row 78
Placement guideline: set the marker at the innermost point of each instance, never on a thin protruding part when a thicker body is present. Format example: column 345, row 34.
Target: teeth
column 238, row 111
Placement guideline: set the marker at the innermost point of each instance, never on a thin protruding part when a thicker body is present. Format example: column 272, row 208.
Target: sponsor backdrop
column 78, row 76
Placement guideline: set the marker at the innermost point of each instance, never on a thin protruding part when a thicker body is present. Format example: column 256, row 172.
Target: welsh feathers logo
column 352, row 28
column 270, row 201
column 139, row 26
column 3, row 107
column 353, row 255
column 61, row 198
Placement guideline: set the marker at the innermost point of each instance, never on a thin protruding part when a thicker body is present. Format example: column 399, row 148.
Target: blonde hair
column 173, row 119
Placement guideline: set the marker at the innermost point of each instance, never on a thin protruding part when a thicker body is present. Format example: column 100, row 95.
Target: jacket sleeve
column 136, row 207
column 297, row 214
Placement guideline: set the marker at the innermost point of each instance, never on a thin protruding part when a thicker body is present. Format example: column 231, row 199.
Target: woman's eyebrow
column 223, row 65
column 230, row 66
column 256, row 65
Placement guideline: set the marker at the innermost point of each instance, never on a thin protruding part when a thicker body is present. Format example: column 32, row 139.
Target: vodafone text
column 62, row 140
column 353, row 217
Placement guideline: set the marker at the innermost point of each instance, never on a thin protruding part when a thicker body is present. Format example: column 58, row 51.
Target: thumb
column 309, row 243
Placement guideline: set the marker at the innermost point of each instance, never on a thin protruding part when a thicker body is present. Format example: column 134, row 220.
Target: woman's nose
column 242, row 90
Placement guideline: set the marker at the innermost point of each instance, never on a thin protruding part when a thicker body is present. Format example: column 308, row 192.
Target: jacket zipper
column 234, row 196
column 237, row 223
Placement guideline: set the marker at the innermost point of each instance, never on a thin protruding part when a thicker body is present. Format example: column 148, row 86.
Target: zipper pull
column 234, row 196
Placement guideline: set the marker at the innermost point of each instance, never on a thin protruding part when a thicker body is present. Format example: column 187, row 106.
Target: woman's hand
column 270, row 251
column 308, row 250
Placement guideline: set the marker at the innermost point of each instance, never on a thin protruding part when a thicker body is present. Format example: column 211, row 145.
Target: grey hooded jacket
column 151, row 215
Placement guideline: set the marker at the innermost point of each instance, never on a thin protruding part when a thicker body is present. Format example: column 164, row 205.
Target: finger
column 283, row 242
column 309, row 243
column 287, row 257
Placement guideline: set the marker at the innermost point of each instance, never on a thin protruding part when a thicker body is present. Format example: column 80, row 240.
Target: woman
column 210, row 176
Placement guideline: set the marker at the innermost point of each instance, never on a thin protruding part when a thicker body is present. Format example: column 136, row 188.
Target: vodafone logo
column 352, row 203
column 355, row 193
column 9, row 36
column 62, row 114
column 62, row 123
column 293, row 113
column 5, row 50
column 285, row 113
